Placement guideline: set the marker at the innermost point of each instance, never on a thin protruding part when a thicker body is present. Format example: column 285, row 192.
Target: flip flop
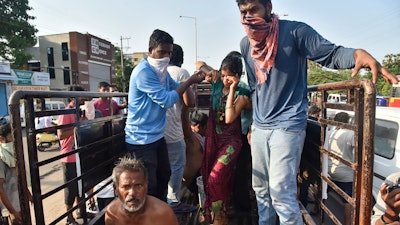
column 184, row 208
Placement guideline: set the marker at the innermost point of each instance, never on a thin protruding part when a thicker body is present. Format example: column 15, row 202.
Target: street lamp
column 195, row 33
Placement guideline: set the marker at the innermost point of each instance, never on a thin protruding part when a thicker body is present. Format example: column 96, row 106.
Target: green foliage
column 16, row 32
column 128, row 67
column 392, row 63
column 319, row 75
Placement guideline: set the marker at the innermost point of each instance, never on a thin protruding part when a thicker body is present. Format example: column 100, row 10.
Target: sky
column 371, row 25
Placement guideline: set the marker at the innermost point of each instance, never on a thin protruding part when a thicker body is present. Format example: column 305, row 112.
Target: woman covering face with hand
column 223, row 136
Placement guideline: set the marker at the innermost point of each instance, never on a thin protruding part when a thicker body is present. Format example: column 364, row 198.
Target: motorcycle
column 46, row 140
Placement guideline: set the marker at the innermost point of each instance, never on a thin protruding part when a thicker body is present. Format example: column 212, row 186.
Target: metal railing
column 100, row 150
column 361, row 99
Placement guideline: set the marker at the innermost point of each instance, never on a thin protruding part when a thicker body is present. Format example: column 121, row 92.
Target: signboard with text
column 5, row 68
column 32, row 77
column 99, row 50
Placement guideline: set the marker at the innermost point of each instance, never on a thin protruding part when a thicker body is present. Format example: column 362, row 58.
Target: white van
column 50, row 105
column 387, row 143
column 337, row 98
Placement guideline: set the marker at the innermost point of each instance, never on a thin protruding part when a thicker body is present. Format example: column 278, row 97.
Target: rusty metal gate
column 100, row 142
column 361, row 99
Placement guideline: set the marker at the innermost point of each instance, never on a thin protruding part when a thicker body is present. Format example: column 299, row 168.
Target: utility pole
column 122, row 65
column 195, row 34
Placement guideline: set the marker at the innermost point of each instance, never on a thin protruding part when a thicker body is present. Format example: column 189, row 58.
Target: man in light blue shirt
column 151, row 92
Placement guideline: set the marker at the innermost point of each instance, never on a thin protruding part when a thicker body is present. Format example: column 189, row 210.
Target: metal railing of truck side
column 33, row 162
column 361, row 99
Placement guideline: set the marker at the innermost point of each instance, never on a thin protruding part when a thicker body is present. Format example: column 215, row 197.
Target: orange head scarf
column 263, row 39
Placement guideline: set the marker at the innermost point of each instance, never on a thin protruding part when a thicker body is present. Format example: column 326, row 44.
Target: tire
column 40, row 148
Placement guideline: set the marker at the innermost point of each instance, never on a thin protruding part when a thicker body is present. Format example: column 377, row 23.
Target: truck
column 101, row 141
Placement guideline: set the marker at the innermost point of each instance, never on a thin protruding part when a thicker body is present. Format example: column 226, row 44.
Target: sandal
column 72, row 222
column 183, row 208
column 79, row 215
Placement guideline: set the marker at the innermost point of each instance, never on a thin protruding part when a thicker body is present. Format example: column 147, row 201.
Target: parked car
column 337, row 98
column 387, row 143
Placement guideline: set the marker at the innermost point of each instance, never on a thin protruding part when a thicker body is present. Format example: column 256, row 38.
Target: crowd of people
column 147, row 184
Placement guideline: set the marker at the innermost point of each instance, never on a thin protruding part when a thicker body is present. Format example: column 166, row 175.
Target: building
column 6, row 79
column 137, row 57
column 75, row 58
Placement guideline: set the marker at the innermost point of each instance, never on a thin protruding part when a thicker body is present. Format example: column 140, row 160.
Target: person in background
column 173, row 133
column 103, row 103
column 279, row 50
column 314, row 112
column 223, row 138
column 387, row 207
column 151, row 92
column 43, row 122
column 10, row 207
column 133, row 205
column 122, row 104
column 104, row 197
column 194, row 131
column 340, row 141
column 198, row 122
column 66, row 137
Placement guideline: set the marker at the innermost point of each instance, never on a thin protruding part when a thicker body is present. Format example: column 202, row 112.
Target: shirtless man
column 133, row 206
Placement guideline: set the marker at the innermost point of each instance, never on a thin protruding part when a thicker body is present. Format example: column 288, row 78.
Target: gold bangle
column 230, row 107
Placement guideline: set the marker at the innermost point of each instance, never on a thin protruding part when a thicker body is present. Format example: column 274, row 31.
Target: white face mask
column 7, row 153
column 160, row 65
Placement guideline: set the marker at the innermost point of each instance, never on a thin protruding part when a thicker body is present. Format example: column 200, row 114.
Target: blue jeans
column 177, row 161
column 155, row 158
column 276, row 157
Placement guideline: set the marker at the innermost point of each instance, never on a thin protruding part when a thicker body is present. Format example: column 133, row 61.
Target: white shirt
column 43, row 122
column 340, row 142
column 173, row 129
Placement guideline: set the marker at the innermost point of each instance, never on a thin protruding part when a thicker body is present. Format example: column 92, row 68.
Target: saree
column 222, row 146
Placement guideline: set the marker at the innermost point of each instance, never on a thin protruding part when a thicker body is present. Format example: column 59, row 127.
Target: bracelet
column 383, row 221
column 395, row 218
column 390, row 217
column 230, row 107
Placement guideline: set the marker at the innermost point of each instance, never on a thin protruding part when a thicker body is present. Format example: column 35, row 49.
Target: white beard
column 133, row 208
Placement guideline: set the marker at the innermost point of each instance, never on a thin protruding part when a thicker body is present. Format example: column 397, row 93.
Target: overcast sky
column 372, row 25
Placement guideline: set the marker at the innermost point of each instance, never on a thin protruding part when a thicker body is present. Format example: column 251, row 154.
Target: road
column 50, row 177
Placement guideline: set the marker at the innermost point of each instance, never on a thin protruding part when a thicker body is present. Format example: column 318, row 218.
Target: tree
column 392, row 63
column 128, row 67
column 319, row 75
column 16, row 33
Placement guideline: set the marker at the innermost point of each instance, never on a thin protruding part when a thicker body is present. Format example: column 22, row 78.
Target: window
column 54, row 106
column 67, row 77
column 385, row 138
column 65, row 52
column 50, row 60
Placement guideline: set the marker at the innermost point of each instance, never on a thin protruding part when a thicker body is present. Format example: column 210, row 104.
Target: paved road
column 50, row 178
